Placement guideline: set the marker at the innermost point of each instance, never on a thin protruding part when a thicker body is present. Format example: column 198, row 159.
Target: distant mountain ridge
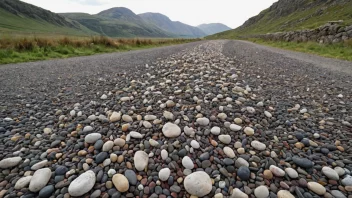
column 213, row 28
column 291, row 15
column 175, row 27
column 17, row 16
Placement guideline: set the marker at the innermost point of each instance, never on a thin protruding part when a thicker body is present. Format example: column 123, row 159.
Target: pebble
column 171, row 130
column 235, row 127
column 330, row 173
column 92, row 138
column 23, row 182
column 237, row 193
column 187, row 163
column 277, row 171
column 10, row 162
column 140, row 160
column 258, row 145
column 82, row 184
column 229, row 152
column 316, row 188
column 226, row 139
column 203, row 121
column 249, row 131
column 164, row 174
column 47, row 191
column 261, row 192
column 215, row 130
column 115, row 117
column 198, row 184
column 284, row 194
column 120, row 182
column 39, row 179
column 291, row 173
column 195, row 144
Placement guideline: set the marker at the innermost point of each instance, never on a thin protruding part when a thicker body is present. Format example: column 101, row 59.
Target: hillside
column 213, row 28
column 118, row 22
column 175, row 27
column 288, row 15
column 19, row 17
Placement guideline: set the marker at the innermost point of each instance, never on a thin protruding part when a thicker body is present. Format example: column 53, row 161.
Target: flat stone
column 235, row 127
column 291, row 173
column 302, row 162
column 198, row 184
column 337, row 194
column 47, row 191
column 82, row 184
column 277, row 171
column 39, row 165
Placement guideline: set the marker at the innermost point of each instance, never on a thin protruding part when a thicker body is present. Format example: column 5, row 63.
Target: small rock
column 164, row 174
column 140, row 160
column 120, row 182
column 198, row 184
column 10, row 162
column 261, row 192
column 203, row 121
column 171, row 130
column 187, row 163
column 316, row 188
column 82, row 184
column 39, row 179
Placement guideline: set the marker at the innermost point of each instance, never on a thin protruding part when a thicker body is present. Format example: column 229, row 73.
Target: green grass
column 302, row 19
column 25, row 49
column 339, row 50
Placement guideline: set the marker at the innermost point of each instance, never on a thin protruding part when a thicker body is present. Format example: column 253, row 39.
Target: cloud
column 91, row 2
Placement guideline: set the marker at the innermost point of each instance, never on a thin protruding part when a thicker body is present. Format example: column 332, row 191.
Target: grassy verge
column 338, row 50
column 24, row 49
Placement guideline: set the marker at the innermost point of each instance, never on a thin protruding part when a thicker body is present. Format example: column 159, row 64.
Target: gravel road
column 208, row 119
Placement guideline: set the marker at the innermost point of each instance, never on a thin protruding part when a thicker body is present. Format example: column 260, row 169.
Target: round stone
column 195, row 144
column 235, row 127
column 164, row 154
column 198, row 184
column 140, row 160
column 215, row 130
column 120, row 182
column 244, row 173
column 23, row 182
column 46, row 191
column 108, row 146
column 249, row 131
column 261, row 192
column 82, row 184
column 164, row 174
column 131, row 176
column 171, row 130
column 115, row 117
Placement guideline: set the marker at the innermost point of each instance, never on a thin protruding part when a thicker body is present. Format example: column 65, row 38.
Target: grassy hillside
column 20, row 17
column 118, row 22
column 288, row 15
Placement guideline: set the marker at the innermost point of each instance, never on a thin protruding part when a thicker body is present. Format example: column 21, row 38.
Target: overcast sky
column 232, row 13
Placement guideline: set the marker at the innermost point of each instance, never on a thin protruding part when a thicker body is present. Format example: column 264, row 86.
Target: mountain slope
column 213, row 28
column 118, row 22
column 288, row 15
column 174, row 27
column 17, row 16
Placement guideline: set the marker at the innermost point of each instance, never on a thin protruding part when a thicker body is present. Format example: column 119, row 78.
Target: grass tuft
column 22, row 49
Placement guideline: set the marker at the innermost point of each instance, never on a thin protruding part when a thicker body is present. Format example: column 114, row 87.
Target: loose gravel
column 206, row 119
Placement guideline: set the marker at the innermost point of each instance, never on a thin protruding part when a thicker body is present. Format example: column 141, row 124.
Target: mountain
column 17, row 16
column 118, row 22
column 174, row 27
column 289, row 15
column 213, row 28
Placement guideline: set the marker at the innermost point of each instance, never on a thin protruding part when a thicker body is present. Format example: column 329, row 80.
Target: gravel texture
column 206, row 119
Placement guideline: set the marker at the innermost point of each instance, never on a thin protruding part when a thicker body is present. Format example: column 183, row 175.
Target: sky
column 232, row 13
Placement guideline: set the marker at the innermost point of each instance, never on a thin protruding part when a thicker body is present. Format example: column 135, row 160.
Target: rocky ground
column 208, row 119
